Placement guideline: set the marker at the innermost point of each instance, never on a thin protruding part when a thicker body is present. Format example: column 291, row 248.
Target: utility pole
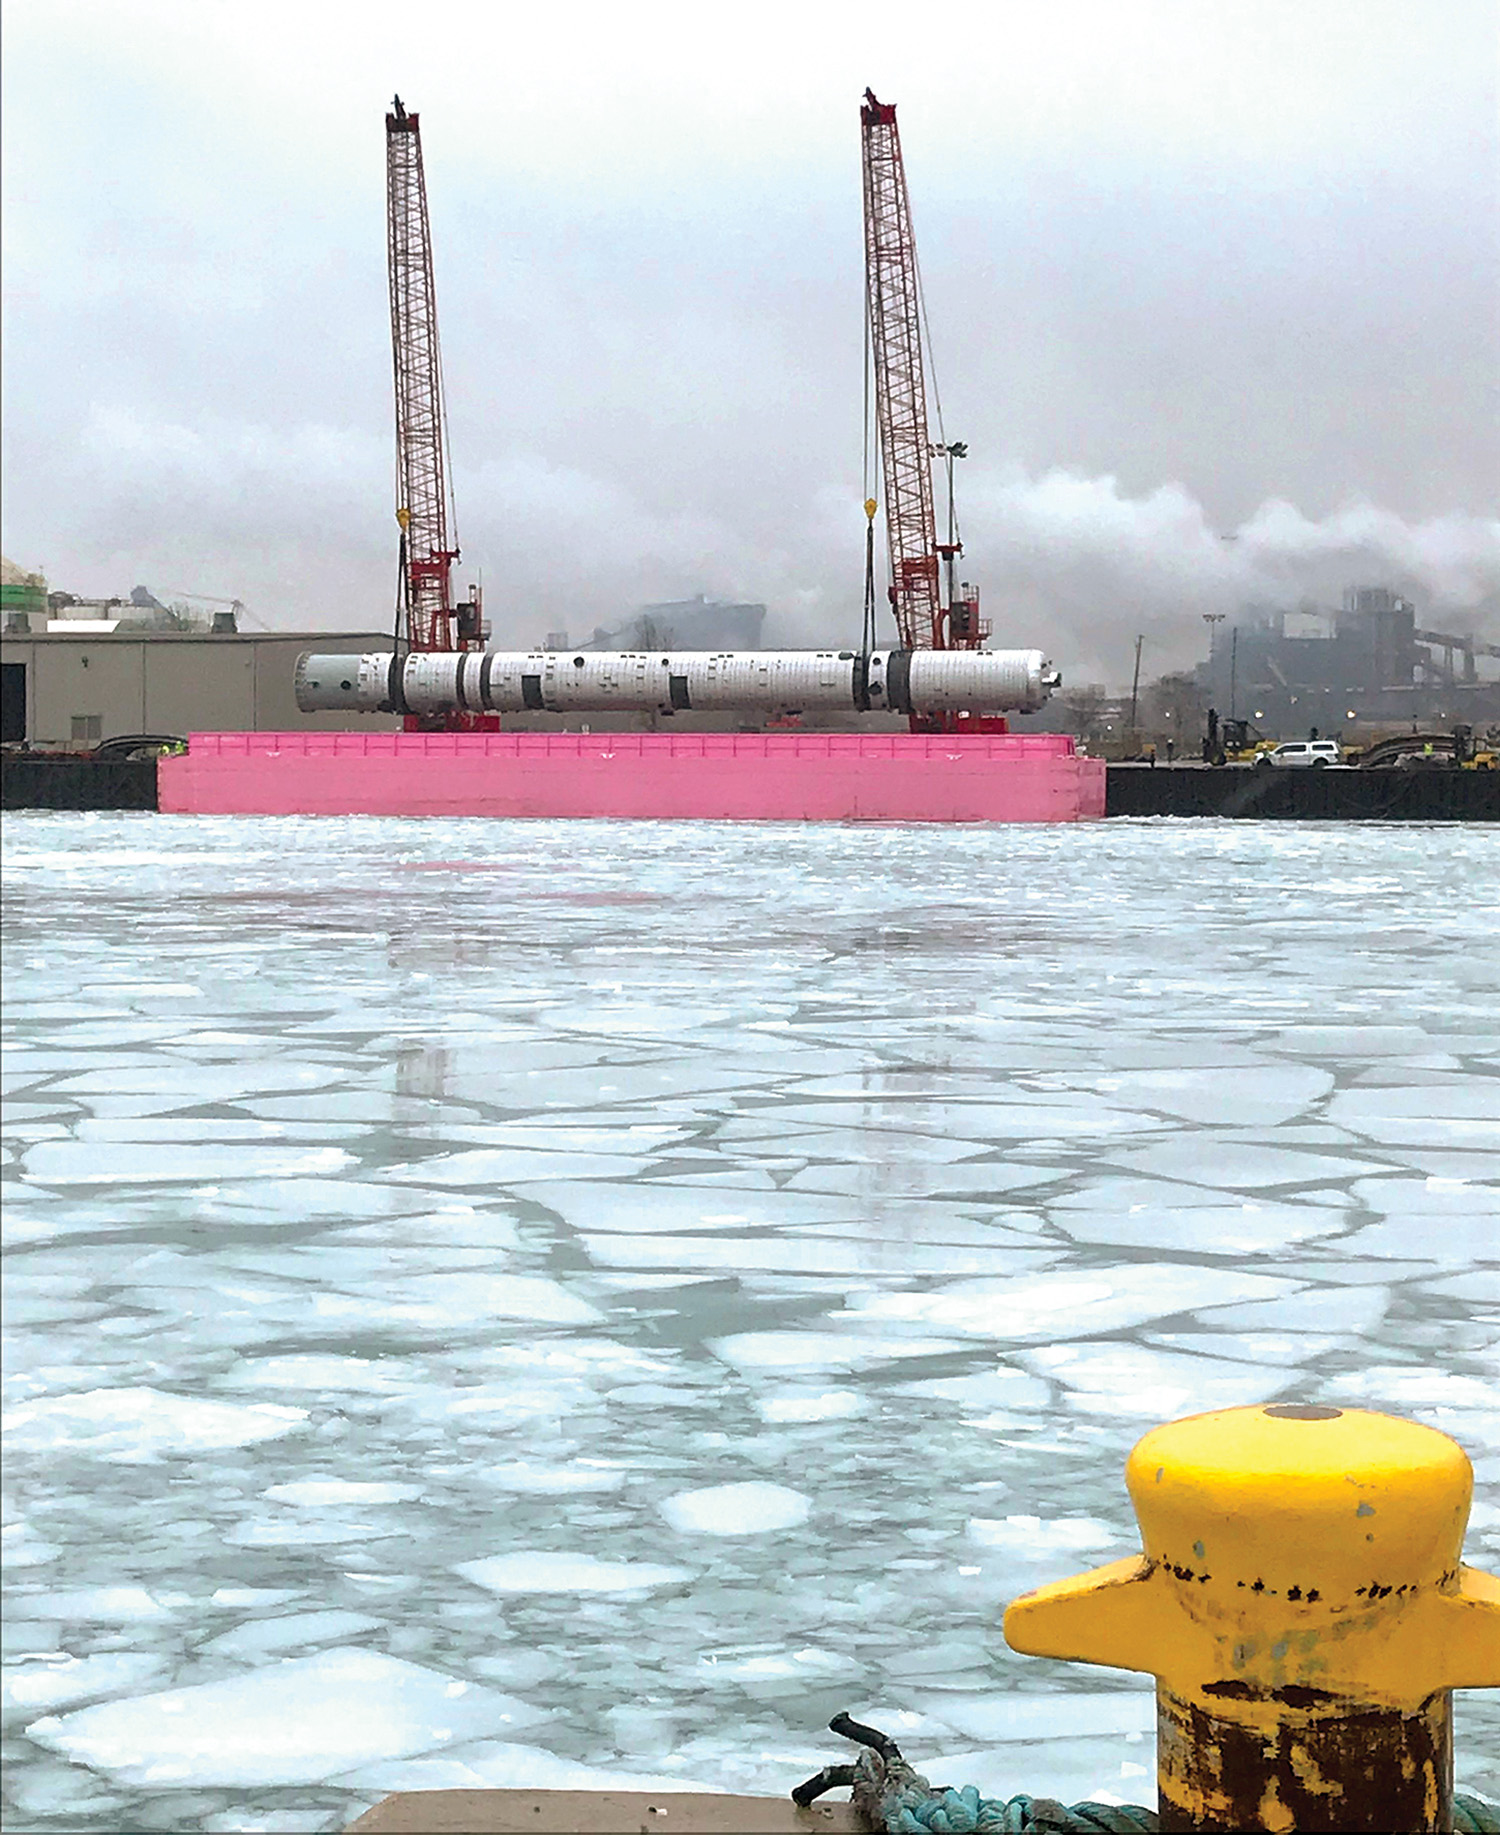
column 1135, row 689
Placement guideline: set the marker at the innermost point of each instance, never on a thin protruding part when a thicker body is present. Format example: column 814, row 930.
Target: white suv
column 1305, row 752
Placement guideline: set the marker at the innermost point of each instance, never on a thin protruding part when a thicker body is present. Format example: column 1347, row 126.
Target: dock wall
column 1304, row 795
column 80, row 782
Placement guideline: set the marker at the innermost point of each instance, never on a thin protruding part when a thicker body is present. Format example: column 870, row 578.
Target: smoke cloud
column 1210, row 306
column 1075, row 564
column 1093, row 566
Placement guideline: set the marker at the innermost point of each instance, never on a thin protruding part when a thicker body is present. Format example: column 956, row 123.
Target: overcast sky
column 1196, row 270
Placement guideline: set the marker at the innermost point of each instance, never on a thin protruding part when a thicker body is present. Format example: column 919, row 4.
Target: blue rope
column 919, row 1810
column 899, row 1801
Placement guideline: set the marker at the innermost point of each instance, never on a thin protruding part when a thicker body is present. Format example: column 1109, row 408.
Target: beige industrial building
column 70, row 690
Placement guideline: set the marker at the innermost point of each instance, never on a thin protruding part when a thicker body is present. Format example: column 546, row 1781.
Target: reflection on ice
column 582, row 1323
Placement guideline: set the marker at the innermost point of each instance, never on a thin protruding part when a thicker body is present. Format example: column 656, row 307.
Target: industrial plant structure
column 1372, row 660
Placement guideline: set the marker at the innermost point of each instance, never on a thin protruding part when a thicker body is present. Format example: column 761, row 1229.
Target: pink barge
column 737, row 777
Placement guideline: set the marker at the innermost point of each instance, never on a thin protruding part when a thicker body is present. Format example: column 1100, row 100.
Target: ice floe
column 31, row 1690
column 555, row 1572
column 1222, row 1229
column 1233, row 1166
column 529, row 1478
column 484, row 1167
column 1138, row 1383
column 750, row 1509
column 675, row 1209
column 294, row 1722
column 259, row 1638
column 1023, row 1717
column 318, row 1493
column 1064, row 1305
column 813, row 1350
column 112, row 1605
column 791, row 1405
column 132, row 1426
column 125, row 1163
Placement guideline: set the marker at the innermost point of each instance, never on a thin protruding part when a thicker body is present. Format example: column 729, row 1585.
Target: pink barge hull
column 789, row 777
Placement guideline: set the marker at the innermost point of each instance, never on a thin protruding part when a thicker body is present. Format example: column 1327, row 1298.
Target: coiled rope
column 895, row 1800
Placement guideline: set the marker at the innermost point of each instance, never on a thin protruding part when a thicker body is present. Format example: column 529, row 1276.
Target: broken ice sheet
column 845, row 1255
column 136, row 1426
column 555, row 1572
column 1062, row 1305
column 748, row 1509
column 905, row 964
column 1241, row 1229
column 1232, row 1166
column 531, row 1479
column 259, row 1638
column 779, row 1352
column 1140, row 1384
column 671, row 1209
column 1234, row 1098
column 293, row 1722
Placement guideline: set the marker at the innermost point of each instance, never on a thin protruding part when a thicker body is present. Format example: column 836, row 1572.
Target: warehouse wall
column 173, row 684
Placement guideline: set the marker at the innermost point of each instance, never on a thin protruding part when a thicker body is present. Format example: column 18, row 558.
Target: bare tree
column 1086, row 708
column 1174, row 707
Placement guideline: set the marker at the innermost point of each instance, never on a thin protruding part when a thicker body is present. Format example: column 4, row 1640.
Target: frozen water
column 561, row 1573
column 1063, row 1305
column 130, row 1426
column 1236, row 1230
column 131, row 1163
column 30, row 1690
column 1137, row 1382
column 293, row 1722
column 806, row 1351
column 532, row 1480
column 409, row 1270
column 259, row 1638
column 317, row 1491
column 1017, row 1716
column 1231, row 1166
column 749, row 1509
column 501, row 1765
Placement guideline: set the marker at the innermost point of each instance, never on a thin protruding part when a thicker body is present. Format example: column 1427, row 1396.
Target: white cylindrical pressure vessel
column 978, row 681
column 753, row 681
column 429, row 681
column 345, row 684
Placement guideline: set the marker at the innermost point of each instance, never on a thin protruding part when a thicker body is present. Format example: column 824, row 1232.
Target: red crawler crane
column 931, row 612
column 429, row 619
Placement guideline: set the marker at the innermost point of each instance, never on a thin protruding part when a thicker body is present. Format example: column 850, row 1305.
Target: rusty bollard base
column 1302, row 1604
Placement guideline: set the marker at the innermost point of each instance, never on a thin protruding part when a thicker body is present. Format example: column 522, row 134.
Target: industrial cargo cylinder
column 765, row 682
column 981, row 681
column 345, row 684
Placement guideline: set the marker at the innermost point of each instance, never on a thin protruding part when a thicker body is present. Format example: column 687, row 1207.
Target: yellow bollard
column 1303, row 1607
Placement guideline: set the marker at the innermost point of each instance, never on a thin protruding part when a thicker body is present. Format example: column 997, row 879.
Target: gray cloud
column 1193, row 272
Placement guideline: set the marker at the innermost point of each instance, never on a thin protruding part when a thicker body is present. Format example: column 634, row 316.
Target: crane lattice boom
column 428, row 551
column 895, row 310
column 927, row 618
